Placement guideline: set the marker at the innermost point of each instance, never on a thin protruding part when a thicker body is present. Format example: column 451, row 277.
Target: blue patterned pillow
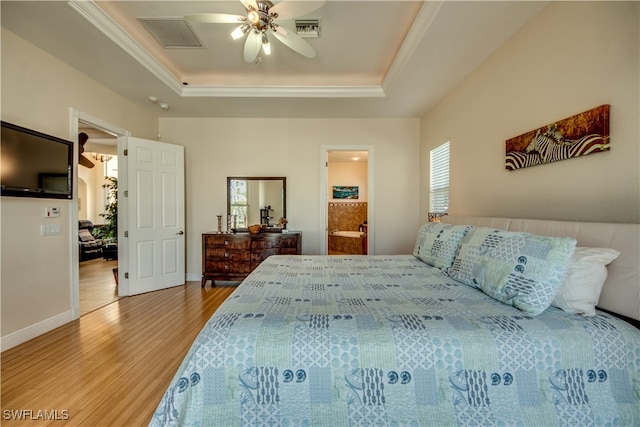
column 516, row 268
column 437, row 243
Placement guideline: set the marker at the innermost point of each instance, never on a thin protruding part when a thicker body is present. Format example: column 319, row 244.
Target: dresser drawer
column 263, row 254
column 293, row 250
column 223, row 268
column 221, row 253
column 229, row 241
column 226, row 261
column 279, row 241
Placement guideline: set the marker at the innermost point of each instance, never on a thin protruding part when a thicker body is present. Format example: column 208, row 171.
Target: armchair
column 90, row 247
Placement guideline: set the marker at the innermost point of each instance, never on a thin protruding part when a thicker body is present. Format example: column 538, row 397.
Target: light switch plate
column 49, row 229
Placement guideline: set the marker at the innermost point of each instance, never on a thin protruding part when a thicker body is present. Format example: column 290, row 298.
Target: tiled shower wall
column 346, row 216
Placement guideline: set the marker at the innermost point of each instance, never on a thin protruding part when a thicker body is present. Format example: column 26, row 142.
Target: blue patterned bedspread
column 391, row 341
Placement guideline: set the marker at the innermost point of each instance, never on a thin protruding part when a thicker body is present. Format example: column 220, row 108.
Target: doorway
column 94, row 280
column 348, row 203
column 97, row 217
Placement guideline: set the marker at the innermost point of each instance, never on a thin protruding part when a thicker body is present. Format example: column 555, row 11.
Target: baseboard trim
column 194, row 277
column 37, row 329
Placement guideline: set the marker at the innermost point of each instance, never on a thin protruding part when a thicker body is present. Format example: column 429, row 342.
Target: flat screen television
column 33, row 164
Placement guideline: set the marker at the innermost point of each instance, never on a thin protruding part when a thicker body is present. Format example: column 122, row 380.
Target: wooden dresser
column 234, row 256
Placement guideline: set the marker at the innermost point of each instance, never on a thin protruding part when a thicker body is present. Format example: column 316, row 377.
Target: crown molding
column 103, row 22
column 419, row 28
column 284, row 91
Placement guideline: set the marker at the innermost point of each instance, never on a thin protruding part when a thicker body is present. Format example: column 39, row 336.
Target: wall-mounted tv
column 33, row 164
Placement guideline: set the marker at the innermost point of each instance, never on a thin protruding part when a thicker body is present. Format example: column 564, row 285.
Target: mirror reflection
column 256, row 200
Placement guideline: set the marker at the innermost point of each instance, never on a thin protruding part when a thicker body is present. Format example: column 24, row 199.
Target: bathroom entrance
column 348, row 204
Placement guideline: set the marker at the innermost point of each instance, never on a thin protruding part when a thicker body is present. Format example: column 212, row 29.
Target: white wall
column 572, row 57
column 92, row 202
column 217, row 148
column 38, row 92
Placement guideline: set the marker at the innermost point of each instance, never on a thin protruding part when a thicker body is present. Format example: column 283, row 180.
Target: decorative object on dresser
column 256, row 228
column 234, row 256
column 265, row 217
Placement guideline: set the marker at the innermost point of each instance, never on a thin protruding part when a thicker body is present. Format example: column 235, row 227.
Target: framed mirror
column 257, row 200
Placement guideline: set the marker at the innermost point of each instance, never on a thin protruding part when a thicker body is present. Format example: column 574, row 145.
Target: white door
column 155, row 215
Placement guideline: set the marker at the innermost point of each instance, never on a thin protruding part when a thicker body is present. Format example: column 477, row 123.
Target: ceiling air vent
column 171, row 32
column 308, row 27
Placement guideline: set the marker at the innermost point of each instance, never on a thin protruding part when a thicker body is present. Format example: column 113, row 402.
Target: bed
column 460, row 332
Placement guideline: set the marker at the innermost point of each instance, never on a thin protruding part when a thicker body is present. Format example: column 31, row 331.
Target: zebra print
column 551, row 146
column 516, row 160
column 551, row 150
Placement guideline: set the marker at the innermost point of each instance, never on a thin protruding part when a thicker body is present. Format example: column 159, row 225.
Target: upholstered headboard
column 621, row 292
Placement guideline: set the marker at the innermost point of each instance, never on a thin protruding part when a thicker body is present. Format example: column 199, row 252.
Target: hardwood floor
column 97, row 284
column 110, row 367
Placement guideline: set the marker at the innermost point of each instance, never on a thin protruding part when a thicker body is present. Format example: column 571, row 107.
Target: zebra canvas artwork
column 579, row 135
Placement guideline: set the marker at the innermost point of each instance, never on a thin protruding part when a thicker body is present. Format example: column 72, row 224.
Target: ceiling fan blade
column 295, row 42
column 85, row 162
column 252, row 46
column 293, row 9
column 250, row 3
column 215, row 18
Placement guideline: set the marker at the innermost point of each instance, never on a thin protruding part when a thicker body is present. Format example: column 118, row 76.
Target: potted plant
column 109, row 232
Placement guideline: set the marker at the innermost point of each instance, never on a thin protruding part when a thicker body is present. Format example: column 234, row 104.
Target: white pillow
column 580, row 291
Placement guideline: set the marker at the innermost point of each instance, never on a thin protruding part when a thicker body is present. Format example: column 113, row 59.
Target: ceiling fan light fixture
column 259, row 19
column 254, row 17
column 240, row 31
column 266, row 46
column 102, row 157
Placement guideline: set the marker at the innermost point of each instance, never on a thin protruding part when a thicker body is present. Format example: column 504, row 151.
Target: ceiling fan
column 259, row 22
column 82, row 139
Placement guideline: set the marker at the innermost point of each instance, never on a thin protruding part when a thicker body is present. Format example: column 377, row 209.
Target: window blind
column 439, row 178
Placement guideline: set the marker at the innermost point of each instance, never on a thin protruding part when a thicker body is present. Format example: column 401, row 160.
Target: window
column 439, row 179
column 111, row 166
column 110, row 184
column 239, row 202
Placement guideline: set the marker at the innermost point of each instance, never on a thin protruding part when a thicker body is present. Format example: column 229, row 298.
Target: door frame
column 324, row 190
column 74, row 125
